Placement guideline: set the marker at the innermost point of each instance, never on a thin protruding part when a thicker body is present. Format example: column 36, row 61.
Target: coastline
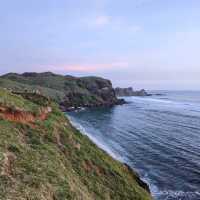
column 94, row 140
column 145, row 150
column 143, row 183
column 63, row 108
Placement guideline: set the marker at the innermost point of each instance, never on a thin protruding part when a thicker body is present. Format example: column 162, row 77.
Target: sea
column 158, row 136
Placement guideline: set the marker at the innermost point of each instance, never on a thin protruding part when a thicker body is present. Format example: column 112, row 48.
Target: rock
column 140, row 182
column 130, row 92
column 159, row 94
column 8, row 161
column 99, row 92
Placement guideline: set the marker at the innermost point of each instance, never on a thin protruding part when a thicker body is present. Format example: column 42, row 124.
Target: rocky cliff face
column 130, row 92
column 68, row 91
column 97, row 92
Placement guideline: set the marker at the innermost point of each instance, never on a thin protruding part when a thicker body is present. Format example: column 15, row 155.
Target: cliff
column 130, row 92
column 42, row 157
column 68, row 91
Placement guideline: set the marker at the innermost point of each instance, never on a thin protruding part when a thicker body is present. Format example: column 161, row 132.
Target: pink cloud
column 101, row 20
column 90, row 67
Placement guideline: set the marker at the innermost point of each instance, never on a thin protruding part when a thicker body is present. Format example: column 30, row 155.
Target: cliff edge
column 43, row 157
column 70, row 92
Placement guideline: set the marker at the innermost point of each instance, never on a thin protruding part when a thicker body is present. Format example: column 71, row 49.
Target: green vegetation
column 66, row 90
column 16, row 102
column 51, row 160
column 56, row 95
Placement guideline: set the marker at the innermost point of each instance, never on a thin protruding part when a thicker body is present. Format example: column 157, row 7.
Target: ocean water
column 159, row 136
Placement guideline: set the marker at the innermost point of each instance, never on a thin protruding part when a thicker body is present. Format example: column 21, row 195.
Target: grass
column 54, row 161
column 16, row 101
column 69, row 91
column 56, row 95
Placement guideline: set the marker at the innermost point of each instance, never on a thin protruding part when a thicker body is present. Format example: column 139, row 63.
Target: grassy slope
column 51, row 81
column 54, row 94
column 55, row 88
column 51, row 160
column 54, row 81
column 68, row 90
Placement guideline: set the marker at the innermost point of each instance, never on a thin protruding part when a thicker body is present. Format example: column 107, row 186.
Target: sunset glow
column 136, row 41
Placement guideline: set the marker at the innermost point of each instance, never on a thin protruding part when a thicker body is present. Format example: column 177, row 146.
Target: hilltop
column 68, row 91
column 43, row 157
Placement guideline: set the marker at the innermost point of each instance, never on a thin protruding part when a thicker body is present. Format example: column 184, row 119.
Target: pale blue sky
column 151, row 44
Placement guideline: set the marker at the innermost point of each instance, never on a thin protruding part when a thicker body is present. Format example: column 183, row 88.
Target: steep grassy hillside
column 42, row 157
column 66, row 90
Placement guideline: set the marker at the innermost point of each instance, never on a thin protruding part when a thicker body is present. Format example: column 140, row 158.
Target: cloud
column 111, row 23
column 90, row 67
column 101, row 20
column 135, row 28
column 97, row 21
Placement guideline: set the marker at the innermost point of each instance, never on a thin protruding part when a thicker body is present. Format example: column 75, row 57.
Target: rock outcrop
column 120, row 92
column 97, row 92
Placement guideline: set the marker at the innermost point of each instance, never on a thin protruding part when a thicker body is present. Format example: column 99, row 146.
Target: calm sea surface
column 159, row 136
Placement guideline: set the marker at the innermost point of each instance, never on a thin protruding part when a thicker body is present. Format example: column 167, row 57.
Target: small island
column 123, row 92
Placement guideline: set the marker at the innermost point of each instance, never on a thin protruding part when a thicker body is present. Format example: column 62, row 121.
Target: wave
column 170, row 194
column 104, row 147
column 152, row 99
column 96, row 140
column 162, row 104
column 166, row 131
column 178, row 195
column 161, row 100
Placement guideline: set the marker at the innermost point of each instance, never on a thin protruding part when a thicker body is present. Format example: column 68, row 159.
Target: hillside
column 42, row 157
column 68, row 91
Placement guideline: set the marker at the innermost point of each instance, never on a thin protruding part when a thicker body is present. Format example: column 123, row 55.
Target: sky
column 151, row 44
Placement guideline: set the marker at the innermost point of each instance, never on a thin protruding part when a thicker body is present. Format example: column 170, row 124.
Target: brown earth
column 23, row 116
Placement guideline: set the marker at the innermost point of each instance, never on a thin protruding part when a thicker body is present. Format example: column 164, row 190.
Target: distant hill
column 68, row 91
